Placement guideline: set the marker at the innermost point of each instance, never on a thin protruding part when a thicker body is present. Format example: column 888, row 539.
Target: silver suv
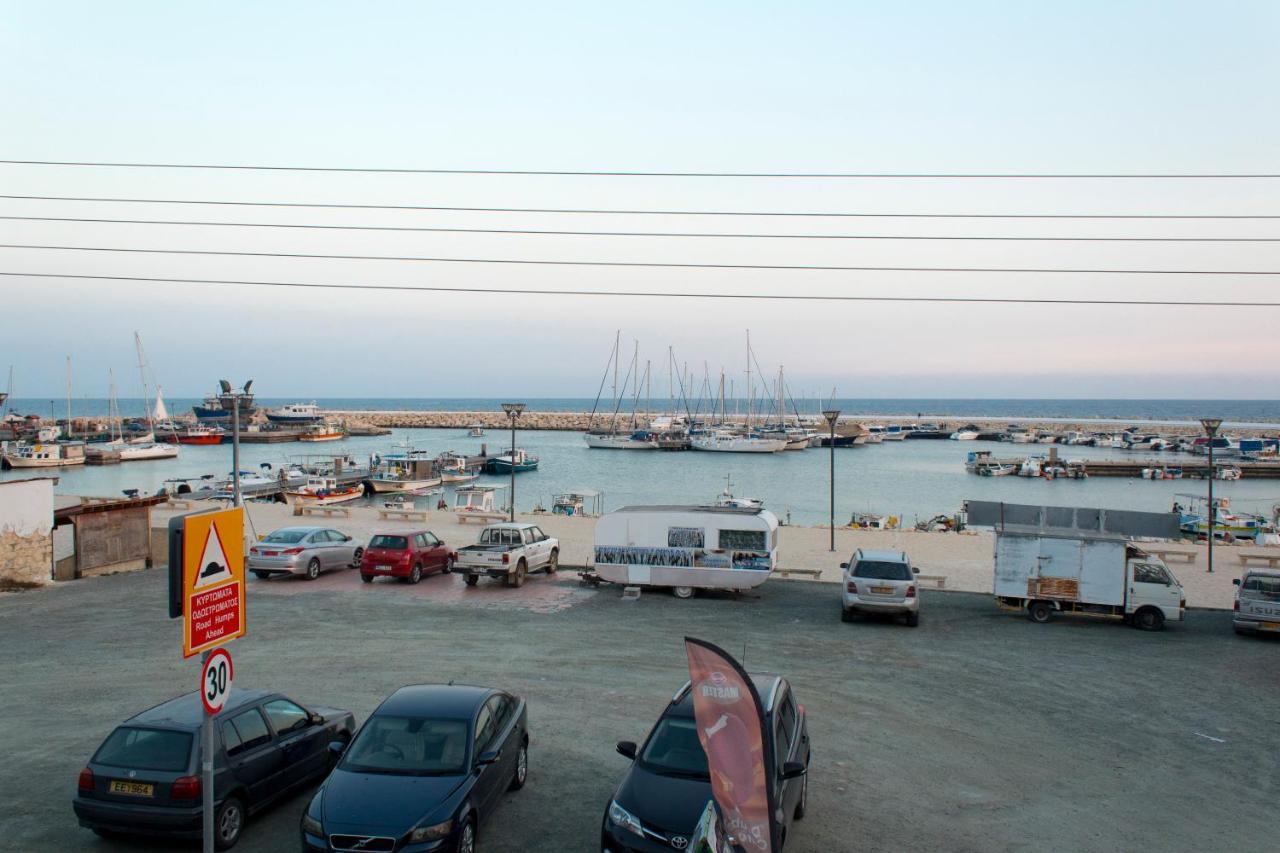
column 880, row 582
column 1257, row 602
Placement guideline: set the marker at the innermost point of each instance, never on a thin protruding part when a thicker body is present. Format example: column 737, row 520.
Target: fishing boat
column 1162, row 472
column 506, row 463
column 295, row 414
column 56, row 454
column 200, row 434
column 322, row 432
column 324, row 491
column 453, row 468
column 578, row 502
column 726, row 498
column 476, row 431
column 996, row 469
column 1227, row 524
column 412, row 471
column 477, row 501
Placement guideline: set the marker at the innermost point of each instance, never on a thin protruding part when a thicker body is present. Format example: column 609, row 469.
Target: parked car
column 1257, row 607
column 656, row 806
column 305, row 551
column 145, row 777
column 510, row 552
column 407, row 555
column 424, row 771
column 880, row 582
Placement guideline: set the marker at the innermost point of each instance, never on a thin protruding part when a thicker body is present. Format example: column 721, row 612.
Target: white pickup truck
column 510, row 552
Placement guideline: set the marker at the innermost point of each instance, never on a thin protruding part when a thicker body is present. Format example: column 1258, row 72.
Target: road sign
column 212, row 579
column 215, row 680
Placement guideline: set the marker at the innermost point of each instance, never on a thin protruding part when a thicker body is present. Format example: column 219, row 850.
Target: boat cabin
column 578, row 502
column 477, row 499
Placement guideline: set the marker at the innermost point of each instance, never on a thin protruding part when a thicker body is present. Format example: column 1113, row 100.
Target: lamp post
column 231, row 402
column 1211, row 426
column 513, row 411
column 832, row 415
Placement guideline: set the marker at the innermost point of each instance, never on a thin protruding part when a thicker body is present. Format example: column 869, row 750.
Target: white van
column 687, row 547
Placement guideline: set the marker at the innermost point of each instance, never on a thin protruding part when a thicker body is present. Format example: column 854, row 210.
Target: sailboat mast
column 142, row 374
column 68, row 396
column 750, row 387
column 617, row 342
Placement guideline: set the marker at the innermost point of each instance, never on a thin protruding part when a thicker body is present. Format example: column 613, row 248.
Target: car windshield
column 408, row 746
column 146, row 749
column 882, row 571
column 674, row 750
column 393, row 543
column 286, row 537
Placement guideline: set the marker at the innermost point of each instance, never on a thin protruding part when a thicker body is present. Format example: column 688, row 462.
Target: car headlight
column 311, row 826
column 430, row 833
column 625, row 819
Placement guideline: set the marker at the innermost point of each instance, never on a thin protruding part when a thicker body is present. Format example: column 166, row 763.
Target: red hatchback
column 407, row 555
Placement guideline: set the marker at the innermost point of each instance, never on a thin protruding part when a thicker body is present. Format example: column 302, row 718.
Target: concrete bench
column 179, row 504
column 1169, row 554
column 937, row 581
column 1271, row 561
column 403, row 514
column 327, row 511
column 483, row 517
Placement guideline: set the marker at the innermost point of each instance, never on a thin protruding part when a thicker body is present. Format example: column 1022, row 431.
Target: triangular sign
column 213, row 562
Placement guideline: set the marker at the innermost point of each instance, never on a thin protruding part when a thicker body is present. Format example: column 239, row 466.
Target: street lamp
column 513, row 411
column 232, row 401
column 1211, row 426
column 832, row 415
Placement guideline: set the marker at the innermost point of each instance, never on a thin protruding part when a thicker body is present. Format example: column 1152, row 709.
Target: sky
column 935, row 87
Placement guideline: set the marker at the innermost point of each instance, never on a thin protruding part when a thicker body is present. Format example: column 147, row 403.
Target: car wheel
column 522, row 768
column 228, row 821
column 416, row 574
column 1039, row 612
column 447, row 568
column 1148, row 619
column 467, row 836
column 313, row 569
column 913, row 619
column 553, row 565
column 847, row 615
column 683, row 592
column 803, row 805
column 261, row 575
column 356, row 557
column 472, row 580
column 366, row 578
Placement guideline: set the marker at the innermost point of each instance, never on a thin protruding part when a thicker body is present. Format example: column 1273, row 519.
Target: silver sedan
column 305, row 551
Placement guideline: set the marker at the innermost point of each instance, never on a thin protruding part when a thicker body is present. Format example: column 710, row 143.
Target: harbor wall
column 26, row 531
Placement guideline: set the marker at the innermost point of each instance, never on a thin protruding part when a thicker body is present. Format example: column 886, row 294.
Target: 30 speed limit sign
column 215, row 680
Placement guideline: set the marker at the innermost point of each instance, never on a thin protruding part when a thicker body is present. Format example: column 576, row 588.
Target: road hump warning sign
column 213, row 581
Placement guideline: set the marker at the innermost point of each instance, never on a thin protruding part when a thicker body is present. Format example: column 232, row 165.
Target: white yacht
column 723, row 441
column 637, row 440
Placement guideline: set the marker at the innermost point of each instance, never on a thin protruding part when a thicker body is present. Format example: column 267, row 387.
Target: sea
column 914, row 480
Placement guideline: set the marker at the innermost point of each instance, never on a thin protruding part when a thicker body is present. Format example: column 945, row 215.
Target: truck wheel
column 471, row 580
column 1039, row 612
column 1148, row 619
column 913, row 619
column 554, row 563
column 683, row 592
column 522, row 569
column 416, row 574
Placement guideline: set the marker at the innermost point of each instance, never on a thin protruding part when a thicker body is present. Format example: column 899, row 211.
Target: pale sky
column 746, row 87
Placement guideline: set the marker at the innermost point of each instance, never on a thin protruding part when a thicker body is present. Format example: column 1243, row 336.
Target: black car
column 145, row 778
column 657, row 805
column 422, row 773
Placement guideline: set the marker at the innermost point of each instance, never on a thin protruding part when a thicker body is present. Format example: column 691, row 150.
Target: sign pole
column 206, row 774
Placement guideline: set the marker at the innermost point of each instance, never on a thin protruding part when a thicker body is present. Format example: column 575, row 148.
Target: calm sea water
column 912, row 479
column 1235, row 411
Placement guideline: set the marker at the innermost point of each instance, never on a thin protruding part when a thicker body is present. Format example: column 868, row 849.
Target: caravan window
column 744, row 540
column 686, row 537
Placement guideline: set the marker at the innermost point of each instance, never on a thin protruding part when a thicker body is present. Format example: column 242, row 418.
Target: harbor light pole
column 832, row 415
column 231, row 402
column 513, row 411
column 1211, row 426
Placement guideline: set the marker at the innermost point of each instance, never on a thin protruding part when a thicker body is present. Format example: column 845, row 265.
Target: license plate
column 132, row 789
column 1269, row 626
column 384, row 568
column 882, row 590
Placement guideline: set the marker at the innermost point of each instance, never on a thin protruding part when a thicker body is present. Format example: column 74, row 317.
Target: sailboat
column 145, row 446
column 614, row 438
column 724, row 439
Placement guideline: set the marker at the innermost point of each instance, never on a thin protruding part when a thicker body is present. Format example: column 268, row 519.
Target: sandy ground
column 963, row 559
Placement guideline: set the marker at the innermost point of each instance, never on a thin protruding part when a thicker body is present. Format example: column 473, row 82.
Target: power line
column 597, row 211
column 645, row 264
column 571, row 233
column 637, row 174
column 781, row 297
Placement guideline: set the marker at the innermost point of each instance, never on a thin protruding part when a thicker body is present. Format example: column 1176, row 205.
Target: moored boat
column 200, row 434
column 519, row 462
column 411, row 471
column 324, row 491
column 44, row 454
column 636, row 440
column 725, row 441
column 322, row 432
column 295, row 414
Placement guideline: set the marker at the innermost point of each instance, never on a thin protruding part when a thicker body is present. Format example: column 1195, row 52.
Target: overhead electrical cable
column 643, row 264
column 780, row 297
column 700, row 234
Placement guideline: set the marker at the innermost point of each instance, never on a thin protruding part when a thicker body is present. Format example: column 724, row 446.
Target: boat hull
column 619, row 442
column 327, row 436
column 385, row 486
column 744, row 445
column 25, row 462
column 501, row 466
column 199, row 439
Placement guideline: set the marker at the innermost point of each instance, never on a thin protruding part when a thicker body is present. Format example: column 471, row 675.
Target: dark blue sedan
column 422, row 773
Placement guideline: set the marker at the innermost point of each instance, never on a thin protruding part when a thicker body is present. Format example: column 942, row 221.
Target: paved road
column 978, row 731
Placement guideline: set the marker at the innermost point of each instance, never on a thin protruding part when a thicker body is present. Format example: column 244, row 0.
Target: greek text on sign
column 213, row 580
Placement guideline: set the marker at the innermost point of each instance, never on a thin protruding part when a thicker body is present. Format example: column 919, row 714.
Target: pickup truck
column 510, row 552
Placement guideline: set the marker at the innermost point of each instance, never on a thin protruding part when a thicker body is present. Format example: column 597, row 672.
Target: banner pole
column 206, row 773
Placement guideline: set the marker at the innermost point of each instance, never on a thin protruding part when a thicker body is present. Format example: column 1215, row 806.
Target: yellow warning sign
column 212, row 580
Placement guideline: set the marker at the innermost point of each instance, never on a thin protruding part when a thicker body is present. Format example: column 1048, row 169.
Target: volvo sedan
column 305, row 551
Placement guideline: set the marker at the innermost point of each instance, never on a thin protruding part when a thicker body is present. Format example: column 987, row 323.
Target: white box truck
column 1045, row 572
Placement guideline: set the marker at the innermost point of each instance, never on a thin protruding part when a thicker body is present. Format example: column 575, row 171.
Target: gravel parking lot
column 977, row 731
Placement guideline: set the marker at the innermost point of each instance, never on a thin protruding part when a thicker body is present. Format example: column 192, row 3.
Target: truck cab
column 1257, row 606
column 1152, row 587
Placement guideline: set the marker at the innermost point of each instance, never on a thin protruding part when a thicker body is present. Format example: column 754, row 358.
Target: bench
column 1168, row 554
column 403, row 514
column 327, row 511
column 806, row 573
column 485, row 517
column 1270, row 560
column 938, row 581
column 179, row 504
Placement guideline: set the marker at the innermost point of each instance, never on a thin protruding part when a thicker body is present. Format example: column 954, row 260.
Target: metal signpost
column 832, row 415
column 207, row 590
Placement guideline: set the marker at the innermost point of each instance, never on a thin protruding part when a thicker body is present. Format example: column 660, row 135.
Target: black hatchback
column 145, row 778
column 657, row 805
column 424, row 770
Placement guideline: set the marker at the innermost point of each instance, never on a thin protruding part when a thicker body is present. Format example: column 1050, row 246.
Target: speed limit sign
column 215, row 680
